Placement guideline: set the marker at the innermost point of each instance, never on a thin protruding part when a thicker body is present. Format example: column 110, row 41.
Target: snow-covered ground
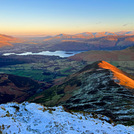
column 31, row 118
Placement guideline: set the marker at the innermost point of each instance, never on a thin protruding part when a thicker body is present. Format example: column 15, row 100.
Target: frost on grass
column 31, row 118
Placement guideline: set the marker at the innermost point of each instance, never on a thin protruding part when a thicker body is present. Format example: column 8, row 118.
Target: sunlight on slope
column 118, row 74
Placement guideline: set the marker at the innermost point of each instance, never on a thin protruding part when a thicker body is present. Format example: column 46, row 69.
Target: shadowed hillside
column 16, row 89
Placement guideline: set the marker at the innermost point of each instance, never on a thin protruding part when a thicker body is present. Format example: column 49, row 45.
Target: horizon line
column 66, row 33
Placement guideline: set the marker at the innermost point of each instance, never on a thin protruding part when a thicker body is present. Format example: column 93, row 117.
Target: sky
column 50, row 17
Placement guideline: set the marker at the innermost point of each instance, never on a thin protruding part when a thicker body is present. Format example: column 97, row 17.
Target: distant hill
column 10, row 43
column 6, row 40
column 120, row 55
column 16, row 89
column 99, row 87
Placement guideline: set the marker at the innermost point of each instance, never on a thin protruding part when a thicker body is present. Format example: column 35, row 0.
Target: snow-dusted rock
column 31, row 118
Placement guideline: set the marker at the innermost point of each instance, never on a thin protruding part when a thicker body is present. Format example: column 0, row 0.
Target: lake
column 50, row 53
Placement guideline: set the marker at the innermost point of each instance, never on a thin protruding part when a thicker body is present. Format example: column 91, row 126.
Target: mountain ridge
column 89, row 35
column 118, row 74
column 96, row 88
column 91, row 42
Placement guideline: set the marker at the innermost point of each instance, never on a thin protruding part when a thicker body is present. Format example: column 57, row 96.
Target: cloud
column 98, row 22
column 124, row 25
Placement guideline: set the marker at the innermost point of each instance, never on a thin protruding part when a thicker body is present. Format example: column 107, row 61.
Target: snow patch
column 31, row 118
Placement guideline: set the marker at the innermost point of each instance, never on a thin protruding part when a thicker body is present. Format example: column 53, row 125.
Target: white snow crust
column 31, row 118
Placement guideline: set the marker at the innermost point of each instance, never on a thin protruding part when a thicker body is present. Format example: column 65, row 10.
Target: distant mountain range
column 89, row 35
column 82, row 41
column 91, row 41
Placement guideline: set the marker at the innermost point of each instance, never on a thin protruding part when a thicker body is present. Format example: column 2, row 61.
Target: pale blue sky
column 65, row 16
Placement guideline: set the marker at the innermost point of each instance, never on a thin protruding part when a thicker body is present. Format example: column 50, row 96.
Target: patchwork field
column 42, row 69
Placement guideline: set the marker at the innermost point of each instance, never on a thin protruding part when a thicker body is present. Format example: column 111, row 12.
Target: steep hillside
column 99, row 87
column 119, row 75
column 16, row 89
